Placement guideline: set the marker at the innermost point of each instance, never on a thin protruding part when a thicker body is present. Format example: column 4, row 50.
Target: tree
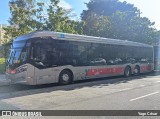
column 119, row 20
column 58, row 20
column 95, row 25
column 108, row 7
column 22, row 18
column 138, row 29
column 79, row 26
column 30, row 15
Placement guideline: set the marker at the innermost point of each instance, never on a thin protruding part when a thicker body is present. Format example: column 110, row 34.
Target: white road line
column 125, row 89
column 142, row 85
column 158, row 82
column 131, row 88
column 144, row 96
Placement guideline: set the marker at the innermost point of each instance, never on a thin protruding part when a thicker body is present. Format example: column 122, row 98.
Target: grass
column 2, row 65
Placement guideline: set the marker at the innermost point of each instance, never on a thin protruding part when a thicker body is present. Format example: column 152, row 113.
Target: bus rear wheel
column 65, row 77
column 127, row 71
column 136, row 70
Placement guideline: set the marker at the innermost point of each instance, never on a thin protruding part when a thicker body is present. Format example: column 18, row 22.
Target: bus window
column 43, row 54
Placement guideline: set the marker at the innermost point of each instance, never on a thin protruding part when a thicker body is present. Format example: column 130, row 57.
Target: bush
column 2, row 65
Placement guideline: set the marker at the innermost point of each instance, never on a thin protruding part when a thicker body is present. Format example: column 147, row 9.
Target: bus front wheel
column 127, row 71
column 65, row 77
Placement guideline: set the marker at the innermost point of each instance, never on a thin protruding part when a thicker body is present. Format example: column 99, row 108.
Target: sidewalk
column 3, row 80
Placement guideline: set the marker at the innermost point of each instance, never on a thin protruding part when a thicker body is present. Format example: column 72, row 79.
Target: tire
column 127, row 71
column 136, row 70
column 65, row 77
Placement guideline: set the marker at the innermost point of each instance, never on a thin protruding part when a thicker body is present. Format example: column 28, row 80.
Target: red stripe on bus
column 146, row 68
column 104, row 71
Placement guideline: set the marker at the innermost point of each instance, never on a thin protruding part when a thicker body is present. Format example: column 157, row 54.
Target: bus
column 157, row 57
column 45, row 57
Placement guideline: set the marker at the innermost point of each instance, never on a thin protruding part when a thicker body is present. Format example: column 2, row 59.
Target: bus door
column 45, row 75
column 44, row 63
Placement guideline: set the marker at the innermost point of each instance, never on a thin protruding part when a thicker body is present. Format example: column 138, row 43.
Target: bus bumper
column 15, row 79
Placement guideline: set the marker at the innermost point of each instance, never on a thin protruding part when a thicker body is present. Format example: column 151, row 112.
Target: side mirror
column 37, row 60
column 39, row 64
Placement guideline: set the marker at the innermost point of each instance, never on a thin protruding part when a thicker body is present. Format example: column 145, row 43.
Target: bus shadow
column 24, row 90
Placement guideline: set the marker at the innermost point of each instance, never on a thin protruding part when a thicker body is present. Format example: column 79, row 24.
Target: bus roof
column 80, row 38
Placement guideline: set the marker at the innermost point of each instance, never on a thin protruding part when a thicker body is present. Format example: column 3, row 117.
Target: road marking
column 131, row 88
column 142, row 85
column 125, row 89
column 144, row 96
column 158, row 82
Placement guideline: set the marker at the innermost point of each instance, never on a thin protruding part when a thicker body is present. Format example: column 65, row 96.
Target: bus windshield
column 18, row 54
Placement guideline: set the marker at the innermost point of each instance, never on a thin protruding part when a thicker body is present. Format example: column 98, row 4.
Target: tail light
column 11, row 71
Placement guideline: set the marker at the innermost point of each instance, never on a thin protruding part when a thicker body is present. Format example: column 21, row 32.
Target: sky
column 148, row 8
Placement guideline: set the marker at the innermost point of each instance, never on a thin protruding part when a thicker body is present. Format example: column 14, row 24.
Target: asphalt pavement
column 134, row 93
column 3, row 80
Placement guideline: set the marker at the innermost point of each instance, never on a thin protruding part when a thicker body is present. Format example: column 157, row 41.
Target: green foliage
column 22, row 18
column 2, row 65
column 31, row 15
column 79, row 26
column 104, row 18
column 120, row 20
column 59, row 21
column 108, row 7
column 135, row 28
column 6, row 50
column 96, row 25
column 2, row 60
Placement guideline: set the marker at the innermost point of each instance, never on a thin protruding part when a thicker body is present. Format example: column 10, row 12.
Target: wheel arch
column 127, row 66
column 138, row 67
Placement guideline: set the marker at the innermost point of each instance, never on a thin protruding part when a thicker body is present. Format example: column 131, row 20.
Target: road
column 134, row 93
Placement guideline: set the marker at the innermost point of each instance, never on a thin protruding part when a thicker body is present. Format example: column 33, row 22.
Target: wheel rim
column 136, row 71
column 65, row 77
column 127, row 72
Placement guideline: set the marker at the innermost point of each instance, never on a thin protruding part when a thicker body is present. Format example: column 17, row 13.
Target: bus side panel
column 147, row 67
column 88, row 72
column 31, row 75
column 79, row 73
column 20, row 76
column 44, row 76
column 105, row 71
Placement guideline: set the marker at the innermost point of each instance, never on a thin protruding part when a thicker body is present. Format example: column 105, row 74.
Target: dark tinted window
column 19, row 44
column 54, row 52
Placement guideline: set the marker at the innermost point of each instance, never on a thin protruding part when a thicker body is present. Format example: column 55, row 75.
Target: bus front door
column 44, row 76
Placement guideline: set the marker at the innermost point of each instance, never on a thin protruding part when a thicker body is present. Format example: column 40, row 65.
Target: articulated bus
column 44, row 57
column 157, row 57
